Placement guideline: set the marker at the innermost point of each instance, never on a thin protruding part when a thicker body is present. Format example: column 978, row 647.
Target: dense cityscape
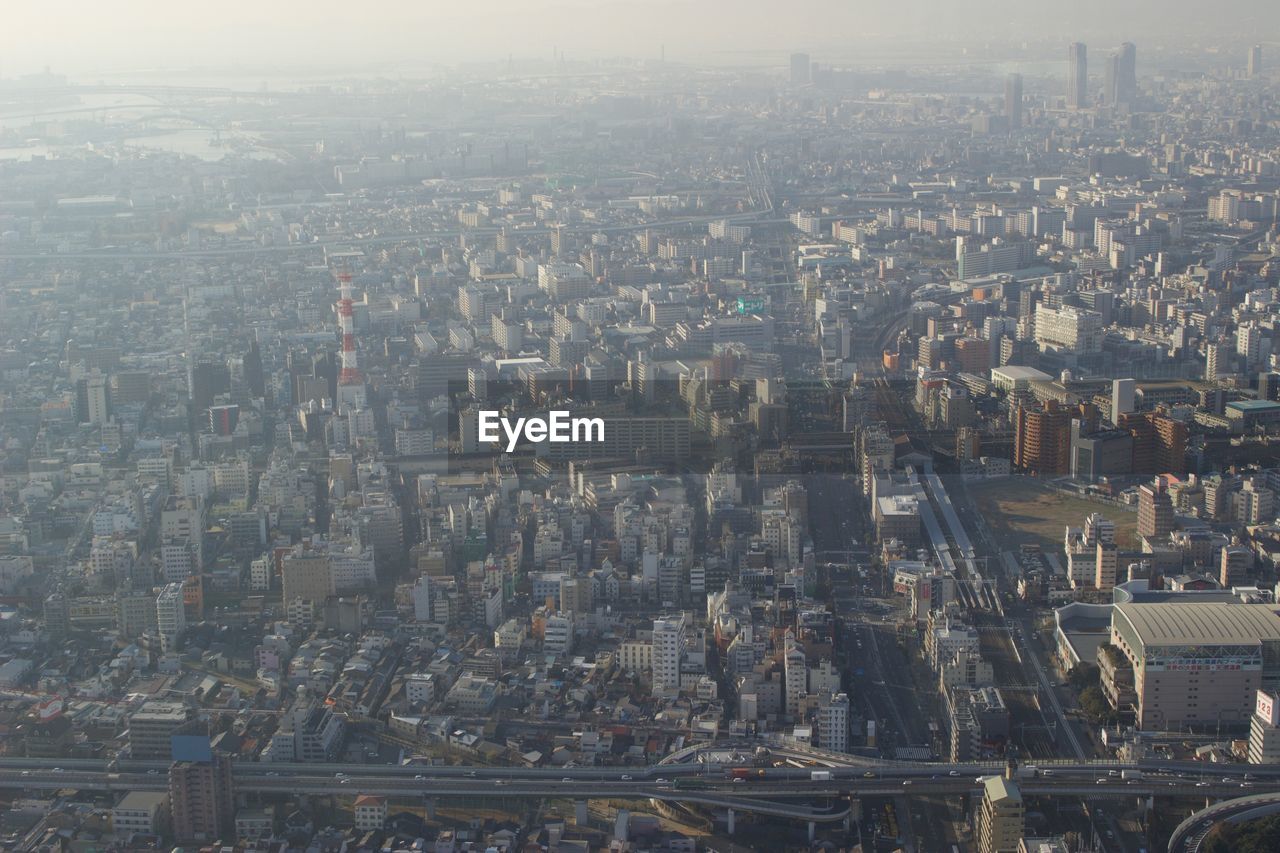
column 920, row 490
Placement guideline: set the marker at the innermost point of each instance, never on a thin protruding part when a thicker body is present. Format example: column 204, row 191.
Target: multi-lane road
column 661, row 780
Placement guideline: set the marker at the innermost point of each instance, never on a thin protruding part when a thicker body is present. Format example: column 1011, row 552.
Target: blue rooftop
column 1253, row 405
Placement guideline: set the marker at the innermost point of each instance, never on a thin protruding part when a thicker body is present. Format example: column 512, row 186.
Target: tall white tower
column 351, row 390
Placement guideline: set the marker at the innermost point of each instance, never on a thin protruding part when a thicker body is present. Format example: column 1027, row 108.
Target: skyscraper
column 1111, row 81
column 1127, row 73
column 1013, row 101
column 1121, row 85
column 1077, row 76
column 1255, row 60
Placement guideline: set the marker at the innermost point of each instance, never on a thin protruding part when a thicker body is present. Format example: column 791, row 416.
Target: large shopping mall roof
column 1167, row 624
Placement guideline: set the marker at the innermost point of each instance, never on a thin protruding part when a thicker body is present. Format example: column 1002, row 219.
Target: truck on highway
column 1027, row 771
column 820, row 775
column 1130, row 774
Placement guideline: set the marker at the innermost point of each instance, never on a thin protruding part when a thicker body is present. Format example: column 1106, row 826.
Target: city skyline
column 640, row 426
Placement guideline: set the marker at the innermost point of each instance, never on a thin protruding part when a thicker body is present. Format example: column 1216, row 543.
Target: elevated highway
column 1189, row 835
column 788, row 792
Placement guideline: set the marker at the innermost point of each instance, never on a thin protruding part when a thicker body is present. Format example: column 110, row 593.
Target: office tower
column 1001, row 816
column 1255, row 60
column 1111, row 81
column 800, row 70
column 1077, row 76
column 668, row 645
column 1155, row 511
column 201, row 799
column 1122, row 398
column 1127, row 73
column 1013, row 101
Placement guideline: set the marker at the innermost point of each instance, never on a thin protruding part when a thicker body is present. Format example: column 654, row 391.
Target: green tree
column 1095, row 705
column 1083, row 675
column 1255, row 836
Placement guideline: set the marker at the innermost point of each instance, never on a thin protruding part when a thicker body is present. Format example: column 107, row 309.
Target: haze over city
column 400, row 37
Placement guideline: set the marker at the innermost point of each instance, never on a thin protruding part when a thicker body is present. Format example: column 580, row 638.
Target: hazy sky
column 80, row 36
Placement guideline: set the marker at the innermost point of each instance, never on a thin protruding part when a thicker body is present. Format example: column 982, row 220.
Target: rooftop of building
column 1001, row 789
column 1019, row 372
column 1253, row 405
column 142, row 800
column 1161, row 624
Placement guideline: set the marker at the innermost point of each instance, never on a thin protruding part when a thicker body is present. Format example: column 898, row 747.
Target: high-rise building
column 1111, row 81
column 1127, row 73
column 833, row 722
column 796, row 670
column 1013, row 101
column 1121, row 85
column 1077, row 76
column 1001, row 816
column 1123, row 392
column 668, row 648
column 201, row 799
column 1155, row 511
column 171, row 615
column 1255, row 60
column 800, row 69
column 1159, row 443
column 1042, row 439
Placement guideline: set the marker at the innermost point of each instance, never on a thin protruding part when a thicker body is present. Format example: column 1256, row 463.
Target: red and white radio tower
column 346, row 322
